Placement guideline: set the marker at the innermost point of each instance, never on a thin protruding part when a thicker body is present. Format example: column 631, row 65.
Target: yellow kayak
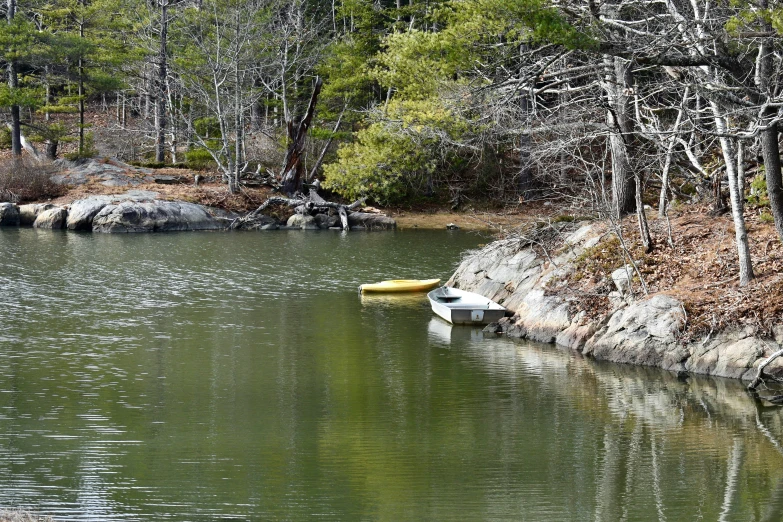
column 401, row 285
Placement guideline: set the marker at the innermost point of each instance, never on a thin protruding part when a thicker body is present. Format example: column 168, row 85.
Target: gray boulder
column 371, row 221
column 576, row 335
column 622, row 278
column 111, row 173
column 29, row 213
column 326, row 221
column 53, row 218
column 83, row 211
column 9, row 215
column 540, row 317
column 303, row 221
column 153, row 216
column 646, row 332
column 643, row 333
column 734, row 354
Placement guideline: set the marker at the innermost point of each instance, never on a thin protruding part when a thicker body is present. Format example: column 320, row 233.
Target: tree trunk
column 343, row 218
column 620, row 128
column 718, row 201
column 160, row 87
column 320, row 160
column 770, row 148
column 525, row 145
column 740, row 231
column 256, row 110
column 81, row 93
column 668, row 160
column 291, row 177
column 47, row 93
column 760, row 372
column 13, row 84
column 644, row 229
column 741, row 172
column 238, row 123
column 51, row 149
column 189, row 128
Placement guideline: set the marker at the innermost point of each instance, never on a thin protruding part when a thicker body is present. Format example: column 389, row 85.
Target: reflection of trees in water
column 733, row 467
column 773, row 510
column 657, row 424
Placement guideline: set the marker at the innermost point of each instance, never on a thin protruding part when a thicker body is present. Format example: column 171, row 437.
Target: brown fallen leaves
column 700, row 269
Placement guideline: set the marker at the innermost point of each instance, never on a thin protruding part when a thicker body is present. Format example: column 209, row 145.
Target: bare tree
column 219, row 74
column 288, row 55
column 691, row 42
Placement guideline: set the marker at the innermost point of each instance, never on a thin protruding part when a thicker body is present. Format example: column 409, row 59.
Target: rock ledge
column 645, row 332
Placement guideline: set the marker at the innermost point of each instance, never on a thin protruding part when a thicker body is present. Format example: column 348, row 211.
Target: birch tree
column 217, row 70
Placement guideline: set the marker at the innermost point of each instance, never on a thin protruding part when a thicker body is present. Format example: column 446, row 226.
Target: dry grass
column 23, row 180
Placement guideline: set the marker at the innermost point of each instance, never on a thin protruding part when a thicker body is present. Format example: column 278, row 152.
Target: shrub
column 25, row 180
column 5, row 138
column 376, row 166
column 207, row 127
column 406, row 146
column 89, row 150
column 199, row 159
column 688, row 189
column 148, row 164
column 758, row 192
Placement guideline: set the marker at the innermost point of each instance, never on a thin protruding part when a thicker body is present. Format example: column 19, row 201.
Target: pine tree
column 89, row 48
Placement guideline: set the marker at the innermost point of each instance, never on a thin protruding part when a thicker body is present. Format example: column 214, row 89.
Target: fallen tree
column 760, row 374
column 303, row 205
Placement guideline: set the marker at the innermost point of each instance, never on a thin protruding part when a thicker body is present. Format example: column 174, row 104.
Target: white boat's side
column 461, row 307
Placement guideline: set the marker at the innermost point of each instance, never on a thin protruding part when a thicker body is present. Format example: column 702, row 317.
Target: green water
column 212, row 376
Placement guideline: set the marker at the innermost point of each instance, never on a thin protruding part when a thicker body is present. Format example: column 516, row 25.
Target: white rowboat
column 461, row 307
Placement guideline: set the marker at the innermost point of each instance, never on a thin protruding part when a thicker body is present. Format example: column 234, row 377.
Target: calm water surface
column 212, row 376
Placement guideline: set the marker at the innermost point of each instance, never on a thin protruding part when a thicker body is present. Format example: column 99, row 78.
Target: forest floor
column 699, row 267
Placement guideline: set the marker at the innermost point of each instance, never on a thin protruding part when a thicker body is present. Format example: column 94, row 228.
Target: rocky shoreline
column 139, row 211
column 646, row 331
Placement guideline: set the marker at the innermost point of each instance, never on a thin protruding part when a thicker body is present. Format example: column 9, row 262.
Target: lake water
column 240, row 376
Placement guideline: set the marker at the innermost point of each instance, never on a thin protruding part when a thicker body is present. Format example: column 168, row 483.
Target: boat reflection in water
column 401, row 300
column 443, row 332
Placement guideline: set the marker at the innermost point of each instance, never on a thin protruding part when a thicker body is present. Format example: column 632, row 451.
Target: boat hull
column 400, row 285
column 459, row 307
